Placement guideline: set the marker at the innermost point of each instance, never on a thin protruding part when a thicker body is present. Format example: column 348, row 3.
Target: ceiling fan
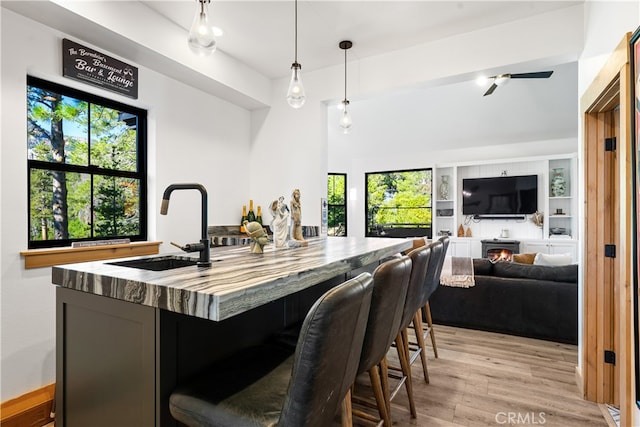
column 502, row 79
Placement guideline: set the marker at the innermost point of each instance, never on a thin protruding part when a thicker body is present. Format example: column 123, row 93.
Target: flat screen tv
column 503, row 195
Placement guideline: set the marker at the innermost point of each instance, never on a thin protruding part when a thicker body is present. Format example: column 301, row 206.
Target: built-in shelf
column 444, row 224
column 564, row 203
column 557, row 212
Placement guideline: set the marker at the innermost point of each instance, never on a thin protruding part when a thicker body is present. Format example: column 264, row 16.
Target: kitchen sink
column 161, row 263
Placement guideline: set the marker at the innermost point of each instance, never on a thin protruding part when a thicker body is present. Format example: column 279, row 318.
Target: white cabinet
column 464, row 247
column 534, row 247
column 459, row 248
column 551, row 246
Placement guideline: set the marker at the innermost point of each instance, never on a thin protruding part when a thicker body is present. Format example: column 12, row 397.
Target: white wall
column 193, row 137
column 289, row 151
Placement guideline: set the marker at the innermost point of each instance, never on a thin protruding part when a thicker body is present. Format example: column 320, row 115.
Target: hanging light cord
column 296, row 33
column 345, row 74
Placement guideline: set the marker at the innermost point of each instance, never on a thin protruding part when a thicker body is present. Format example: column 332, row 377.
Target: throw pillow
column 482, row 267
column 552, row 259
column 524, row 258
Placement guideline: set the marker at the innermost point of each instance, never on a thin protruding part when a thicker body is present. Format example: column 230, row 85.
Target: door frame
column 602, row 325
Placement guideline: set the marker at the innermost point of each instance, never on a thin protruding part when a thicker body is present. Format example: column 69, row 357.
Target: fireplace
column 499, row 255
column 500, row 250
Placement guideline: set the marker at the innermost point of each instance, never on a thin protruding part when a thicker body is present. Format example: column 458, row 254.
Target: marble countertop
column 237, row 281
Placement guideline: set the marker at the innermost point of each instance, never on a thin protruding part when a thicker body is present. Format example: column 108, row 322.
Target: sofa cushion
column 482, row 267
column 565, row 273
column 552, row 259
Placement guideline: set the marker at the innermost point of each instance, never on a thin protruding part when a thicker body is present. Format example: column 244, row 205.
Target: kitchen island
column 126, row 336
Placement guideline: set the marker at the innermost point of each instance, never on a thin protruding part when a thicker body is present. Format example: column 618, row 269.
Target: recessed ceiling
column 261, row 33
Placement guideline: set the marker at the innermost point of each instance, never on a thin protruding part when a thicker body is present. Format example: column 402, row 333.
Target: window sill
column 37, row 258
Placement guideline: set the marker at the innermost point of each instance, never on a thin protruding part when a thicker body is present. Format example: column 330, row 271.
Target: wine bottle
column 244, row 218
column 259, row 215
column 251, row 215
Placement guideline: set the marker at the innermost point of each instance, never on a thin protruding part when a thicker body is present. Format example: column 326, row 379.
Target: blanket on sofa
column 457, row 272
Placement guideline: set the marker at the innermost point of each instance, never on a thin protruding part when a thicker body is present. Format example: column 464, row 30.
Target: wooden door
column 607, row 276
column 599, row 304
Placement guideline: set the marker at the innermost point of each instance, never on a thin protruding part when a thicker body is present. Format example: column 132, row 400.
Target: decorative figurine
column 258, row 234
column 537, row 218
column 280, row 222
column 296, row 216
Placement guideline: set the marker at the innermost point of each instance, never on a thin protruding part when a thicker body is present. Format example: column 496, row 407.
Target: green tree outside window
column 398, row 203
column 337, row 205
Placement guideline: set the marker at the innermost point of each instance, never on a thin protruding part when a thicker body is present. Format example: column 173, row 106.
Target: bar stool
column 390, row 283
column 419, row 261
column 268, row 386
column 417, row 348
column 428, row 325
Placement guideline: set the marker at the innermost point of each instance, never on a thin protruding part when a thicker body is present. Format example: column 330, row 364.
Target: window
column 337, row 209
column 398, row 203
column 86, row 167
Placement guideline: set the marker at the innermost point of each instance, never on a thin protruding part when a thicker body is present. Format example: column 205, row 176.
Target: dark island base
column 117, row 362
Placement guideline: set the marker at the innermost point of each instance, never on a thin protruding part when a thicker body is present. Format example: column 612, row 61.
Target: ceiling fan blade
column 490, row 90
column 538, row 75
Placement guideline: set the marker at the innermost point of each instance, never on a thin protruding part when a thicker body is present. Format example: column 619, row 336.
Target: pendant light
column 345, row 118
column 202, row 40
column 295, row 93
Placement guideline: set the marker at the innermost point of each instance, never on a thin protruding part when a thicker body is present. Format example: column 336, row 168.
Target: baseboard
column 30, row 409
column 580, row 382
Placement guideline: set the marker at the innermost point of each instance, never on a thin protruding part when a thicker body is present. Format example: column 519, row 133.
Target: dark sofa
column 520, row 299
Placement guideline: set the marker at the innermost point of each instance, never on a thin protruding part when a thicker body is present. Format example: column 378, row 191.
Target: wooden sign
column 95, row 68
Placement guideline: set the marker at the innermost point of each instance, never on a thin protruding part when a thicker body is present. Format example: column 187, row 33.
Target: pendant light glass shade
column 202, row 40
column 295, row 94
column 345, row 117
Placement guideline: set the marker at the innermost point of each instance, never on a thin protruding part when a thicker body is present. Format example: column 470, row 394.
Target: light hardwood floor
column 482, row 379
column 488, row 379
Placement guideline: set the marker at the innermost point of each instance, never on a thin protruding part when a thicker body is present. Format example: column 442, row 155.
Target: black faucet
column 203, row 246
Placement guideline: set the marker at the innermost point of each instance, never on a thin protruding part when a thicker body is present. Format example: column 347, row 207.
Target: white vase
column 444, row 187
column 558, row 183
